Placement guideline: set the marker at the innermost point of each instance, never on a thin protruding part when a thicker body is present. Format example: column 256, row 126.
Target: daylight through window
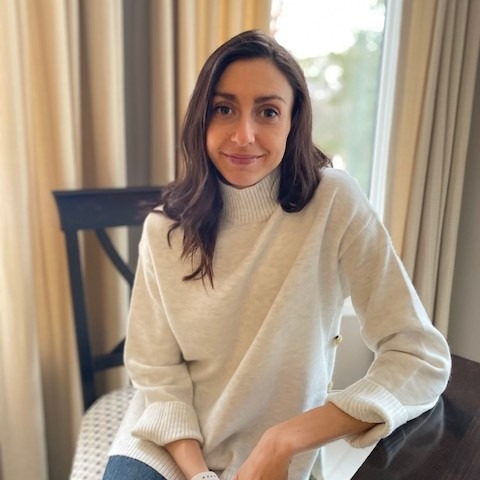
column 338, row 43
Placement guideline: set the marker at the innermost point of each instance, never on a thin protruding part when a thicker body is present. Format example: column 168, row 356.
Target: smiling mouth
column 241, row 158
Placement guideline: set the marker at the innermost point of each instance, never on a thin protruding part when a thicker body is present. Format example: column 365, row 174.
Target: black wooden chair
column 98, row 210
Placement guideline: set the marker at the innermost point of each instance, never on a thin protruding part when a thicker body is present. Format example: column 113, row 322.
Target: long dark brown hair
column 194, row 201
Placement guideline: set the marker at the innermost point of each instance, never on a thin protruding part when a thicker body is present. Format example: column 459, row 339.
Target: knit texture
column 222, row 365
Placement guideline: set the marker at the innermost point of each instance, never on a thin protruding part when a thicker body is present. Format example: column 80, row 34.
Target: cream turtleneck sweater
column 222, row 365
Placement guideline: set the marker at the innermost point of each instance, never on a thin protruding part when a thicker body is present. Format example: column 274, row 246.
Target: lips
column 242, row 158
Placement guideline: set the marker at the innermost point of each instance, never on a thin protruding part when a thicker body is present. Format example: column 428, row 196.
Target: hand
column 269, row 460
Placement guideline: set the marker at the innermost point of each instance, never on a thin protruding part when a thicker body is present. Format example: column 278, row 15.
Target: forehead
column 255, row 77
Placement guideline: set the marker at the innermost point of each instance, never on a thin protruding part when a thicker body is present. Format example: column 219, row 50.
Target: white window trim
column 386, row 101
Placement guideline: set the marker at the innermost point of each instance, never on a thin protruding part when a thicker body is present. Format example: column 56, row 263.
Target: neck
column 251, row 204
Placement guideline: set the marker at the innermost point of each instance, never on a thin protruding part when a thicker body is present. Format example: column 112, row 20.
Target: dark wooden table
column 441, row 444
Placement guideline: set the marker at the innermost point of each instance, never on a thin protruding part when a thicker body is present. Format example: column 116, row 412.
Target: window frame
column 386, row 102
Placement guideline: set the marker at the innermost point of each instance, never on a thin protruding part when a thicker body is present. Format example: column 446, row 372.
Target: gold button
column 338, row 340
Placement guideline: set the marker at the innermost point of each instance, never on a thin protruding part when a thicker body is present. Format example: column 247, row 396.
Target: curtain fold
column 438, row 58
column 39, row 150
column 69, row 105
column 104, row 157
column 162, row 167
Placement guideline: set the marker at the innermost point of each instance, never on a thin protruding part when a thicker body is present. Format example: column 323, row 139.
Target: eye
column 222, row 110
column 270, row 112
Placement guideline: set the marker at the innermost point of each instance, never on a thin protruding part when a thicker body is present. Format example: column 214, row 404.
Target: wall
column 464, row 326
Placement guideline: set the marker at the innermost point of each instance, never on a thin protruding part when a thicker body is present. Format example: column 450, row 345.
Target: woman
column 241, row 280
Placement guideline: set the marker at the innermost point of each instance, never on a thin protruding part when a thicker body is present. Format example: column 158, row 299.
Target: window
column 348, row 51
column 339, row 44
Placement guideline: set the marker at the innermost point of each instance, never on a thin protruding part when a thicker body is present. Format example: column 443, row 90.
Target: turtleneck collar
column 251, row 204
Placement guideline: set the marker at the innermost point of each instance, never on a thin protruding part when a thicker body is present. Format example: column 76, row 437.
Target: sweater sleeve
column 412, row 360
column 154, row 361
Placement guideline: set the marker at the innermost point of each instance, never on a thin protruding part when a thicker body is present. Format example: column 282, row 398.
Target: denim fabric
column 125, row 468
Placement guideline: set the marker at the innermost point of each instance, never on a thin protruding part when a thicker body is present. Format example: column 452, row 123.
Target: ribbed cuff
column 370, row 402
column 163, row 423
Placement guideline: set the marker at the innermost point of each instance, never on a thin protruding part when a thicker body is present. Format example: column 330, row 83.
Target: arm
column 188, row 456
column 412, row 359
column 156, row 367
column 271, row 457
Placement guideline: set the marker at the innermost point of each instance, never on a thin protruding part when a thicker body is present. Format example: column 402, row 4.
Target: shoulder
column 338, row 179
column 156, row 221
column 342, row 205
column 156, row 228
column 340, row 190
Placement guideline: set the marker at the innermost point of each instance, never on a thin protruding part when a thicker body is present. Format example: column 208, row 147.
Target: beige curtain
column 439, row 49
column 39, row 150
column 103, row 162
column 67, row 100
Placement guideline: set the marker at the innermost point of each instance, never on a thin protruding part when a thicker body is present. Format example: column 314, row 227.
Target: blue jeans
column 125, row 468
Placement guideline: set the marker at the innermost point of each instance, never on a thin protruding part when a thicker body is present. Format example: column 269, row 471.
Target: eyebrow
column 261, row 99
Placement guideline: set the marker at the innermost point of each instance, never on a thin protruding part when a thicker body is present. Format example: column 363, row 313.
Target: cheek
column 212, row 139
column 210, row 142
column 280, row 139
column 285, row 137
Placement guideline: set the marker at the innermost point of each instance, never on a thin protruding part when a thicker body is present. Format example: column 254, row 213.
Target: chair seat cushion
column 99, row 426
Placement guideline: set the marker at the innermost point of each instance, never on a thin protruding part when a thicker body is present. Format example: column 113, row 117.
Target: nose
column 244, row 132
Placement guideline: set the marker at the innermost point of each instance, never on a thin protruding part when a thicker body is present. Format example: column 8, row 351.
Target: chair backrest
column 97, row 210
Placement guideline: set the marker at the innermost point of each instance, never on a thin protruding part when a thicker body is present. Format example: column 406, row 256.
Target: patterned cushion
column 99, row 426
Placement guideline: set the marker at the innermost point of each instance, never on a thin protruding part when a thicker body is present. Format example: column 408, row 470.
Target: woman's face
column 249, row 122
